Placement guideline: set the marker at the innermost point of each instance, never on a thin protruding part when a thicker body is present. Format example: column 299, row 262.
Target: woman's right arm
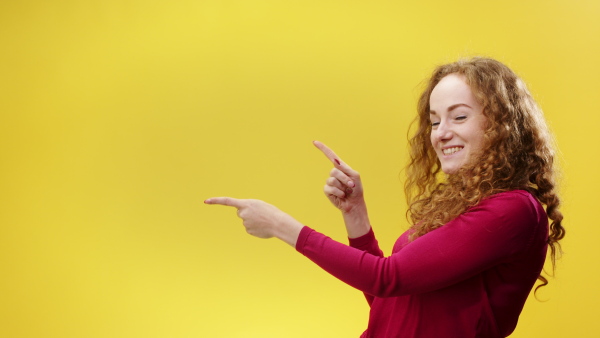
column 344, row 190
column 506, row 229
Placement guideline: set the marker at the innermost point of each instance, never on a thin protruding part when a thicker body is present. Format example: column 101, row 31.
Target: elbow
column 385, row 290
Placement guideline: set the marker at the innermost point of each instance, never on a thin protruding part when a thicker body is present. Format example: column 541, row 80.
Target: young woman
column 481, row 171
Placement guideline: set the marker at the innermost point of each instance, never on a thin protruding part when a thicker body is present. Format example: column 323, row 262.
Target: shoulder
column 515, row 213
column 511, row 222
column 512, row 204
column 522, row 195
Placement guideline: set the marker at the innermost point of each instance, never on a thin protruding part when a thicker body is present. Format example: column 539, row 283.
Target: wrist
column 357, row 221
column 355, row 210
column 288, row 230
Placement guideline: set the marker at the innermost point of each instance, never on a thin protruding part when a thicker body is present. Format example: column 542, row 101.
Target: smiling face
column 457, row 123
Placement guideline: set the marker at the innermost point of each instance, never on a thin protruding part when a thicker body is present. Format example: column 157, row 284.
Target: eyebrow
column 452, row 107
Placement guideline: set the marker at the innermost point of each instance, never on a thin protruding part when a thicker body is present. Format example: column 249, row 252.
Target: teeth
column 450, row 151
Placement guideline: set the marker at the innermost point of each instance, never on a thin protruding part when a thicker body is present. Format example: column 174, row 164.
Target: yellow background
column 118, row 118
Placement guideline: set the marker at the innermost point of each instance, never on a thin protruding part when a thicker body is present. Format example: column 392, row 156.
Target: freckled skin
column 457, row 121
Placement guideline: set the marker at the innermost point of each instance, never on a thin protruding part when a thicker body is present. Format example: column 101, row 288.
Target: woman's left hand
column 262, row 219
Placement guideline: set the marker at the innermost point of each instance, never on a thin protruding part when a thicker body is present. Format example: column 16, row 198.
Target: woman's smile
column 457, row 123
column 451, row 150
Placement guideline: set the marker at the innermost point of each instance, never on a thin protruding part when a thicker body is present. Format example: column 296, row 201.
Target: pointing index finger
column 328, row 152
column 228, row 201
column 339, row 164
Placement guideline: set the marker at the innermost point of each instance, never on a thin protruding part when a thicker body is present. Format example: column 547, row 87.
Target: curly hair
column 518, row 153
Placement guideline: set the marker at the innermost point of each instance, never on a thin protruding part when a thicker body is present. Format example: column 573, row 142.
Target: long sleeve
column 498, row 230
column 369, row 244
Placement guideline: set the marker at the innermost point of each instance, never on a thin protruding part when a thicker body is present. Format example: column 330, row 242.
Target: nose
column 443, row 132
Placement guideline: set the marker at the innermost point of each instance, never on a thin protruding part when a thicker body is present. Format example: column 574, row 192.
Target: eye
column 460, row 118
column 434, row 124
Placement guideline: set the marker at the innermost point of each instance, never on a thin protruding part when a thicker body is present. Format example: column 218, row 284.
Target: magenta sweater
column 468, row 278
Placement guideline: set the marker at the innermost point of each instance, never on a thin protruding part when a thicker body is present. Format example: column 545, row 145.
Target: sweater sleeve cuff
column 302, row 238
column 363, row 241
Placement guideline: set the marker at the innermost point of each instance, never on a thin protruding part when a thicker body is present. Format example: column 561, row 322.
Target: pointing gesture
column 262, row 219
column 343, row 187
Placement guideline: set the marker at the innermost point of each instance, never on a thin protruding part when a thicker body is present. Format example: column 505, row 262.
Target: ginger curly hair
column 518, row 153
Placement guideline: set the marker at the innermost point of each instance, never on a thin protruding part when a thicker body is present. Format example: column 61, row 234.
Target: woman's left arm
column 501, row 227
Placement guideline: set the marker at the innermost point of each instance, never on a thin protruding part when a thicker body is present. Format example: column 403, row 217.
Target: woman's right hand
column 343, row 187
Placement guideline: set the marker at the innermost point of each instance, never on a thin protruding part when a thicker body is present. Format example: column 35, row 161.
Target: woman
column 479, row 232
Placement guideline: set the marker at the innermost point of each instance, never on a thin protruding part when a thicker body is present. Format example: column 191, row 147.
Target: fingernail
column 207, row 201
column 337, row 161
column 350, row 183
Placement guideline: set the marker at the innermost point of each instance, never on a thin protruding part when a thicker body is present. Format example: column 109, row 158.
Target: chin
column 449, row 170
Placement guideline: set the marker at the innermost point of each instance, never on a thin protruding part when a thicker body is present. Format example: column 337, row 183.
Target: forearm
column 357, row 221
column 288, row 230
